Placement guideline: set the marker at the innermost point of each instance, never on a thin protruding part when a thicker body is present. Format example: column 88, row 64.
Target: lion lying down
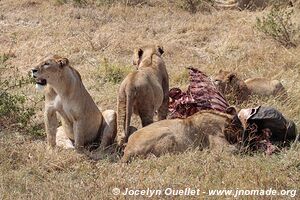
column 205, row 129
column 65, row 95
column 229, row 82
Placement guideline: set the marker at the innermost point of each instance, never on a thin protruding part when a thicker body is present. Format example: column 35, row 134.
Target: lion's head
column 225, row 80
column 49, row 70
column 145, row 52
column 229, row 83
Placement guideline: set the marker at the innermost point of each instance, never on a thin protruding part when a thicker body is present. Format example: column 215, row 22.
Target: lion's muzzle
column 33, row 73
column 38, row 81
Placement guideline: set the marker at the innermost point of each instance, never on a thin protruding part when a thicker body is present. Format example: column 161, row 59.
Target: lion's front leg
column 78, row 127
column 51, row 124
column 108, row 134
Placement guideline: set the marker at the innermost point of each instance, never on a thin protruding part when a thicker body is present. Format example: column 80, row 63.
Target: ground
column 97, row 38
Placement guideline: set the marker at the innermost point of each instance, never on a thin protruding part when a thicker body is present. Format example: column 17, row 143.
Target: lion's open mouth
column 41, row 81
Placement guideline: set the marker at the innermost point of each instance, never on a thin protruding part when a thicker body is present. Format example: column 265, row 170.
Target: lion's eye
column 217, row 82
column 46, row 65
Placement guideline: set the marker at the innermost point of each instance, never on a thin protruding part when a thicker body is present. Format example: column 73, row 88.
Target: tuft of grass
column 194, row 6
column 76, row 2
column 181, row 78
column 79, row 2
column 3, row 58
column 60, row 2
column 282, row 3
column 278, row 24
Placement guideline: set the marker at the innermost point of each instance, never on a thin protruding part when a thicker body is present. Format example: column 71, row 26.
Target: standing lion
column 144, row 91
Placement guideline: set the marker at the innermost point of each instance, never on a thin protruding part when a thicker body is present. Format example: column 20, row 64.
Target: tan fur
column 265, row 87
column 228, row 82
column 65, row 94
column 204, row 129
column 144, row 91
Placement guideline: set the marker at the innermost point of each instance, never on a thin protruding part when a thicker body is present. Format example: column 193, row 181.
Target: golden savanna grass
column 98, row 40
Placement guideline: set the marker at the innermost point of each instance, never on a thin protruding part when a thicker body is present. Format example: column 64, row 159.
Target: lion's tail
column 125, row 109
column 129, row 109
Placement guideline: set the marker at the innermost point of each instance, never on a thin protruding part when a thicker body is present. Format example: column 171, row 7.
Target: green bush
column 15, row 110
column 13, row 107
column 278, row 24
column 112, row 73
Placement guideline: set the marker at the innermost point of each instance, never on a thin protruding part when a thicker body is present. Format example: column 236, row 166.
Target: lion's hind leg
column 108, row 128
column 62, row 139
column 145, row 143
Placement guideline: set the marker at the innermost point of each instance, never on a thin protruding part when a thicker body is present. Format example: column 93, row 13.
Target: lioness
column 65, row 94
column 205, row 129
column 143, row 91
column 229, row 82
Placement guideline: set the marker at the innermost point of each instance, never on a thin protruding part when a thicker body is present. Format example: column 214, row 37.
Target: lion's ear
column 63, row 62
column 137, row 55
column 160, row 49
column 231, row 77
column 231, row 110
column 140, row 53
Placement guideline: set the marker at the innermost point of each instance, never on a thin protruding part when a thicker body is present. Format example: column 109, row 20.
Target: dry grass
column 87, row 35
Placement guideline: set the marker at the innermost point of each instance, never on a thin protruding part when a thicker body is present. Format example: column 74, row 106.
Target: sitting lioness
column 144, row 91
column 65, row 94
column 229, row 82
column 205, row 129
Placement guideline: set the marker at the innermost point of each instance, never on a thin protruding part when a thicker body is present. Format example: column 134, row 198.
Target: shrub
column 278, row 25
column 14, row 108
